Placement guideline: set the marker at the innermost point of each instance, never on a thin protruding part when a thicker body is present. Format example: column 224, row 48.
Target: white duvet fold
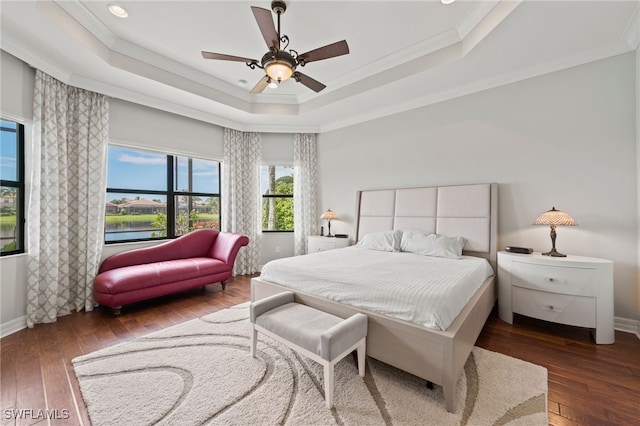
column 428, row 291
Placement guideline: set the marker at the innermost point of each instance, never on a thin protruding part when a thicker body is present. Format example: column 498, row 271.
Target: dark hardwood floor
column 589, row 384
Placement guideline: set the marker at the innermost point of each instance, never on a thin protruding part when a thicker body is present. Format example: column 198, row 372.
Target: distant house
column 8, row 201
column 196, row 205
column 143, row 207
column 111, row 208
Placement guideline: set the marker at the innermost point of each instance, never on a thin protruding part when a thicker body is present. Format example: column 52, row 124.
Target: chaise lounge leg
column 116, row 310
column 224, row 284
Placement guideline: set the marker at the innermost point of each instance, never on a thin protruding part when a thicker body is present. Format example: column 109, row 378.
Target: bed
column 437, row 356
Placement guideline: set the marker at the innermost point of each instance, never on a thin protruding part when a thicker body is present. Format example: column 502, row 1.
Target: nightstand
column 317, row 243
column 572, row 290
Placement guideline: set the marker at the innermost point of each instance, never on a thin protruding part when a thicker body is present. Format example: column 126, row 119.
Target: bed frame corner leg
column 449, row 397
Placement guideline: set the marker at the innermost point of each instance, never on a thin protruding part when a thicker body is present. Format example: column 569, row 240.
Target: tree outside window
column 277, row 198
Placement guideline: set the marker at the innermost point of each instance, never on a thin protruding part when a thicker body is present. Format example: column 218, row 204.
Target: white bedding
column 424, row 290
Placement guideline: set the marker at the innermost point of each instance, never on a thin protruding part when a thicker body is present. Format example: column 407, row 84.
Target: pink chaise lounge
column 201, row 257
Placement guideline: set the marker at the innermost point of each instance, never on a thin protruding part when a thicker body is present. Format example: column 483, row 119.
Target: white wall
column 566, row 139
column 144, row 127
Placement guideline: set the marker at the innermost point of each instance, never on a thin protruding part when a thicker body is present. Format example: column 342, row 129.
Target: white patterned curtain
column 67, row 198
column 304, row 189
column 241, row 194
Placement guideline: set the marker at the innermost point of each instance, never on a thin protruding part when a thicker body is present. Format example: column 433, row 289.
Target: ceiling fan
column 278, row 64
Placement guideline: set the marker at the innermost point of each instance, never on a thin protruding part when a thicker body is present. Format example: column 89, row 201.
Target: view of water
column 128, row 231
column 126, row 235
column 113, row 232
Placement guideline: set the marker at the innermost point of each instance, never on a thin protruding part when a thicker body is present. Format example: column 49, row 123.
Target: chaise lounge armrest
column 227, row 246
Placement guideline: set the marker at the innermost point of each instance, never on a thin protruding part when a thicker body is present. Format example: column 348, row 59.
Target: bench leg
column 328, row 384
column 361, row 357
column 116, row 310
column 224, row 284
column 254, row 342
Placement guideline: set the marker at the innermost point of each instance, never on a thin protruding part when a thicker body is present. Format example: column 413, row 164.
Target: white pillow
column 382, row 241
column 428, row 244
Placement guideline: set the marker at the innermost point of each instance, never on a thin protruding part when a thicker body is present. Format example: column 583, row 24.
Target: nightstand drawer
column 316, row 243
column 556, row 279
column 321, row 246
column 571, row 310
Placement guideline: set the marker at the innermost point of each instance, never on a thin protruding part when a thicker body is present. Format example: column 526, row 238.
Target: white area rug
column 200, row 373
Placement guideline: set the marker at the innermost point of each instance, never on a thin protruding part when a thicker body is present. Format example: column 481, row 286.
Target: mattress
column 424, row 290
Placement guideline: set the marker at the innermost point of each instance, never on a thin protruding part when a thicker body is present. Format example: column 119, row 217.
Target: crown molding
column 486, row 84
column 185, row 91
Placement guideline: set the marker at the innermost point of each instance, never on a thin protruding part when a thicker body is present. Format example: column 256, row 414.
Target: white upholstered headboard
column 470, row 211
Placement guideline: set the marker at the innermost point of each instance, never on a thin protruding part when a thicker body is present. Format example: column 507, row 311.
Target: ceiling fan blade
column 211, row 55
column 312, row 84
column 267, row 27
column 329, row 51
column 262, row 84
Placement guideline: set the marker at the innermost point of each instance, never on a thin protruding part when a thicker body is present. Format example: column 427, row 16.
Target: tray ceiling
column 403, row 54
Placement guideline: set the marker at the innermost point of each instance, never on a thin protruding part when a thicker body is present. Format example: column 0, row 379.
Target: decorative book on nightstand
column 572, row 290
column 317, row 243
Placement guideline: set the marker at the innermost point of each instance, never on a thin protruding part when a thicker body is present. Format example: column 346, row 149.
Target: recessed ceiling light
column 447, row 1
column 118, row 10
column 242, row 83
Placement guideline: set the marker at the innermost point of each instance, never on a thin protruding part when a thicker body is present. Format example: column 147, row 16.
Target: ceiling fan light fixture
column 279, row 71
column 278, row 65
column 272, row 84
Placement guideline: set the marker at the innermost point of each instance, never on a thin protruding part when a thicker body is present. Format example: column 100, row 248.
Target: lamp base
column 554, row 253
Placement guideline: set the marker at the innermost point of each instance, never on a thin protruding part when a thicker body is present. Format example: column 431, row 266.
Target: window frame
column 275, row 196
column 171, row 193
column 19, row 185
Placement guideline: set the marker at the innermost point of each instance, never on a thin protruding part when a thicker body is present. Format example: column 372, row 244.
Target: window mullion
column 171, row 202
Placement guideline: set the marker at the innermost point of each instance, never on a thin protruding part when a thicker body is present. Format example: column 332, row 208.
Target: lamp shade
column 555, row 217
column 329, row 215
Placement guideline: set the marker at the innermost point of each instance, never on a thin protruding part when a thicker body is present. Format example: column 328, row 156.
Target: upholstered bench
column 323, row 337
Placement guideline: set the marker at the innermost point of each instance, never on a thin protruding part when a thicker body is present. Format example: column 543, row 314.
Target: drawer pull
column 551, row 308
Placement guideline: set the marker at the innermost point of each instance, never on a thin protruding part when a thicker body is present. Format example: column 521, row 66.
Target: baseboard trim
column 627, row 326
column 12, row 326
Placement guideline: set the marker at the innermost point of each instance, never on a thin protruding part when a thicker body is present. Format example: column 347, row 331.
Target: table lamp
column 329, row 216
column 554, row 218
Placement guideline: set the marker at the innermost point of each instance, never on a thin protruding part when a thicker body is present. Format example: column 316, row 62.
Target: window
column 277, row 198
column 12, row 183
column 152, row 195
